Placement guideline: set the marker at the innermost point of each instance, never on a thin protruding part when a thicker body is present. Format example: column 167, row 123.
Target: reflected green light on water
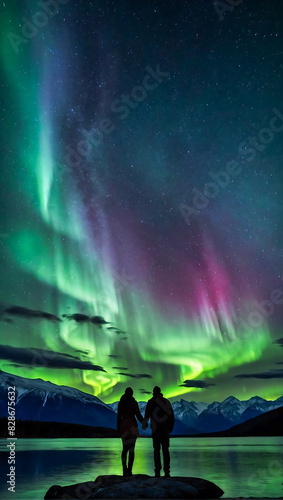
column 242, row 467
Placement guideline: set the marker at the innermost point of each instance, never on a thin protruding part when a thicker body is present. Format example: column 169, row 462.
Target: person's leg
column 131, row 456
column 166, row 454
column 156, row 454
column 124, row 457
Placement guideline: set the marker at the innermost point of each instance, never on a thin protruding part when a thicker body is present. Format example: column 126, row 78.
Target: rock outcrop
column 137, row 486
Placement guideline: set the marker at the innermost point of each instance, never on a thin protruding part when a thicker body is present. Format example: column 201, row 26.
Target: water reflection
column 240, row 466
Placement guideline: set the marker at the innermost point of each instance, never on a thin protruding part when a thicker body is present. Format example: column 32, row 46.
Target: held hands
column 144, row 425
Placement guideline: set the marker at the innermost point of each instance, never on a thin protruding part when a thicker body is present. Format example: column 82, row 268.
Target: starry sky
column 141, row 196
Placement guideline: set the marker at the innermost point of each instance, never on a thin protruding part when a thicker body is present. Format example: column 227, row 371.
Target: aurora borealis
column 141, row 197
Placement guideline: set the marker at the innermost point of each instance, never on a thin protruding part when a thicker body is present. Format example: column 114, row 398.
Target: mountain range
column 47, row 402
column 217, row 416
column 220, row 416
column 269, row 423
column 39, row 400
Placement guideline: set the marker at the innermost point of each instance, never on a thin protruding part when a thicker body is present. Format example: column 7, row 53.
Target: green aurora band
column 55, row 262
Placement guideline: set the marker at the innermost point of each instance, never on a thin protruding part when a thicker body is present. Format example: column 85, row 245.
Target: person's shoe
column 167, row 474
column 129, row 472
column 157, row 474
column 125, row 472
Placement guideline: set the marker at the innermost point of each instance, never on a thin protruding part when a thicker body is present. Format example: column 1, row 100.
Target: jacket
column 160, row 412
column 128, row 410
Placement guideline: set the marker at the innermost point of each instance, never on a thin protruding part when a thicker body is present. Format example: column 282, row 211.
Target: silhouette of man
column 161, row 415
column 127, row 427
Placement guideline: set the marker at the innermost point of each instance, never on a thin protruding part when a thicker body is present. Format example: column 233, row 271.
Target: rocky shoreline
column 137, row 486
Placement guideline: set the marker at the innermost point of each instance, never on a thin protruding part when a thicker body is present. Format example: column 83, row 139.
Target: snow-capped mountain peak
column 41, row 400
column 44, row 388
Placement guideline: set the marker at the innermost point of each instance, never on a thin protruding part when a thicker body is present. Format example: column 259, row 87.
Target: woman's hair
column 129, row 391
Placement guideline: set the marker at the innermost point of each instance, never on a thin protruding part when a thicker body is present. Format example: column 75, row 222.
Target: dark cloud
column 124, row 338
column 83, row 318
column 265, row 375
column 114, row 356
column 23, row 312
column 7, row 320
column 77, row 317
column 116, row 330
column 44, row 358
column 82, row 352
column 143, row 391
column 119, row 368
column 16, row 365
column 196, row 383
column 98, row 320
column 139, row 375
column 279, row 342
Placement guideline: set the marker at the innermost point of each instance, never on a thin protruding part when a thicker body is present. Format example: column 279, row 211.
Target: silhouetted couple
column 161, row 415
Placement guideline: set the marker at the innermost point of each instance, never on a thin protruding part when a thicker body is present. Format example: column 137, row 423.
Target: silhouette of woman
column 127, row 426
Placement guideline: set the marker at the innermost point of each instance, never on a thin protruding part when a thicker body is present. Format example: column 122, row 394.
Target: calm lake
column 242, row 467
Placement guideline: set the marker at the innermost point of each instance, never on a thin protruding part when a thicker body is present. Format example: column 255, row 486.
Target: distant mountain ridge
column 24, row 385
column 48, row 402
column 217, row 416
column 269, row 423
column 38, row 400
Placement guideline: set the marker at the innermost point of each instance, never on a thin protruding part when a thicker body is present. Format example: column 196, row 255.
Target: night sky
column 141, row 196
